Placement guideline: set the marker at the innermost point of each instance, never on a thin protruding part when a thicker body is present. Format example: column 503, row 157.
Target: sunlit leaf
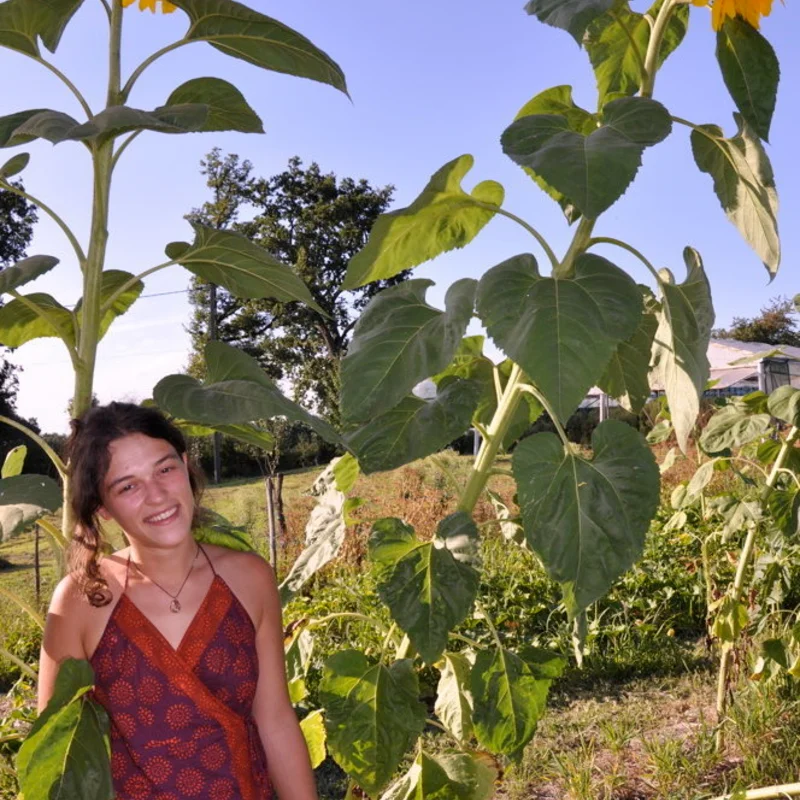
column 14, row 461
column 25, row 271
column 20, row 323
column 454, row 695
column 450, row 776
column 313, row 729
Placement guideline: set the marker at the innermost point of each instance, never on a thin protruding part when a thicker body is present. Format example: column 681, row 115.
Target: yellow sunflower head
column 749, row 10
column 144, row 5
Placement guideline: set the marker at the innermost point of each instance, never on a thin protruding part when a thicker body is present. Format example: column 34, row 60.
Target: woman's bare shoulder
column 234, row 562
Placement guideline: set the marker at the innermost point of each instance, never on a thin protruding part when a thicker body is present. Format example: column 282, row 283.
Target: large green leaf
column 592, row 170
column 66, row 753
column 110, row 281
column 414, row 428
column 325, row 532
column 750, row 70
column 587, row 519
column 510, row 694
column 558, row 100
column 443, row 218
column 241, row 32
column 372, row 715
column 54, row 126
column 428, row 587
column 451, row 776
column 14, row 166
column 24, row 22
column 680, row 347
column 25, row 271
column 227, row 108
column 313, row 730
column 399, row 341
column 237, row 391
column 617, row 44
column 10, row 123
column 118, row 120
column 731, row 427
column 784, row 403
column 564, row 331
column 231, row 260
column 19, row 323
column 627, row 376
column 23, row 500
column 745, row 185
column 573, row 16
column 215, row 529
column 454, row 695
column 248, row 434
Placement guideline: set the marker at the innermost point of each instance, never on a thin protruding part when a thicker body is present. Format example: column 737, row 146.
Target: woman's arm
column 287, row 754
column 63, row 636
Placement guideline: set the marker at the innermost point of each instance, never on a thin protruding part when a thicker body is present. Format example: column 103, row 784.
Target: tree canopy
column 777, row 323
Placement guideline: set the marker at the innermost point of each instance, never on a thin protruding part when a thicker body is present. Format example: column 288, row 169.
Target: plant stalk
column 580, row 241
column 492, row 441
column 654, row 47
column 726, row 656
column 767, row 793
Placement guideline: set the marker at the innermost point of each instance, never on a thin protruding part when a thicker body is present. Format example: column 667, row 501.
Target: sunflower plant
column 575, row 322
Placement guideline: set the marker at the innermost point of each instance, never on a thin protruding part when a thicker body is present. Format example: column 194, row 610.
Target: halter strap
column 128, row 567
column 210, row 562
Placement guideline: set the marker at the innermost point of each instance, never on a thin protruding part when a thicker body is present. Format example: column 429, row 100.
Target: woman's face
column 147, row 491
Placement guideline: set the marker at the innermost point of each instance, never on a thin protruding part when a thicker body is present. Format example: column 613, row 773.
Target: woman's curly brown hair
column 88, row 461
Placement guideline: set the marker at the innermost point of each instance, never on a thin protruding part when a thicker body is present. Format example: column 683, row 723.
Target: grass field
column 636, row 723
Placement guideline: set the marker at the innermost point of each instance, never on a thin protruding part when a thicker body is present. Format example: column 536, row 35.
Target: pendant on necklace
column 175, row 606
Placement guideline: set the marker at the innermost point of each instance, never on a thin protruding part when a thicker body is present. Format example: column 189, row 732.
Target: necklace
column 175, row 605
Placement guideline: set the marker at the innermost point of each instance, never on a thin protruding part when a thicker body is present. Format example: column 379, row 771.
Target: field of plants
column 637, row 720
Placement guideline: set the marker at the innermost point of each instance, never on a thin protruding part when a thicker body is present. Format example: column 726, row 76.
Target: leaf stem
column 107, row 7
column 24, row 605
column 767, row 793
column 471, row 642
column 136, row 74
column 67, row 82
column 132, row 282
column 580, row 241
column 536, row 235
column 123, row 147
column 45, row 316
column 489, row 624
column 318, row 623
column 73, row 240
column 51, row 454
column 25, row 668
column 54, row 532
column 532, row 390
column 625, row 246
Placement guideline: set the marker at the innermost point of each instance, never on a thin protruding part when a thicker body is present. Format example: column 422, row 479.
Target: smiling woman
column 185, row 639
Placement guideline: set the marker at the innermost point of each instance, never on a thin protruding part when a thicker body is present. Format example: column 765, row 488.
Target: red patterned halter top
column 181, row 719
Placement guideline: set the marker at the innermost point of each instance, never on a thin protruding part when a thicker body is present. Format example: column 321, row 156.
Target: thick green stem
column 580, row 241
column 492, row 442
column 654, row 47
column 737, row 588
column 767, row 793
column 625, row 246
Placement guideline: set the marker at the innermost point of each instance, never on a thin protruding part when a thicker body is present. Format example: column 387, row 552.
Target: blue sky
column 429, row 81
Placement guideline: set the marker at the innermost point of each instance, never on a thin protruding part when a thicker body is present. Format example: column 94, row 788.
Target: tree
column 17, row 218
column 314, row 222
column 776, row 324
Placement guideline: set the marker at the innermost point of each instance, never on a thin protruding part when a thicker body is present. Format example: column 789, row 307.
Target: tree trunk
column 37, row 575
column 273, row 544
column 280, row 515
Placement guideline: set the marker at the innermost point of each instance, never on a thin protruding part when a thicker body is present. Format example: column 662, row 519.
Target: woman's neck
column 166, row 565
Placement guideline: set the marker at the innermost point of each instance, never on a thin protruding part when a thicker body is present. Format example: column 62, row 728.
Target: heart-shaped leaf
column 227, row 108
column 443, row 218
column 399, row 341
column 680, row 348
column 39, row 315
column 25, row 271
column 750, row 70
column 592, row 170
column 414, row 428
column 66, row 752
column 627, row 377
column 239, row 31
column 587, row 519
column 784, row 403
column 231, row 260
column 617, row 44
column 451, row 776
column 25, row 499
column 573, row 16
column 745, row 185
column 558, row 100
column 24, row 22
column 510, row 694
column 561, row 331
column 730, row 427
column 428, row 587
column 118, row 120
column 237, row 391
column 372, row 715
